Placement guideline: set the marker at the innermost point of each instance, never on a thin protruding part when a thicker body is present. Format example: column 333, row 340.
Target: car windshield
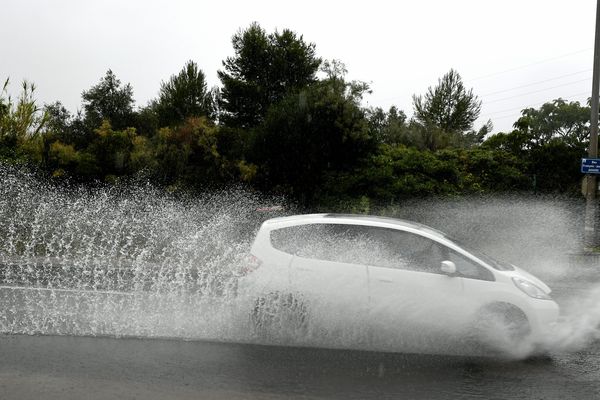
column 492, row 262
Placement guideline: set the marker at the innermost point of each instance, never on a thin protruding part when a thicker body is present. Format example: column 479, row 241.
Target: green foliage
column 184, row 95
column 63, row 156
column 147, row 121
column 107, row 155
column 142, row 155
column 446, row 112
column 263, row 70
column 110, row 101
column 276, row 126
column 569, row 122
column 20, row 125
column 398, row 172
column 59, row 120
column 64, row 160
column 551, row 141
column 112, row 149
column 448, row 106
column 556, row 167
column 391, row 127
column 515, row 142
column 189, row 155
column 321, row 128
column 486, row 170
column 23, row 119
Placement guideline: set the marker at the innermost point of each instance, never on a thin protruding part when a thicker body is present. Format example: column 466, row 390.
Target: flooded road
column 76, row 367
column 50, row 367
column 91, row 282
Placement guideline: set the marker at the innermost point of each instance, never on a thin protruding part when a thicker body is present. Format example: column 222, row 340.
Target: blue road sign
column 590, row 166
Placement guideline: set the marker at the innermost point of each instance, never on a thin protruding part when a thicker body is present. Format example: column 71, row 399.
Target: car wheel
column 500, row 327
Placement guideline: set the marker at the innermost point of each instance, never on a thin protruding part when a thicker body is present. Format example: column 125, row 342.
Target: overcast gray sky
column 514, row 53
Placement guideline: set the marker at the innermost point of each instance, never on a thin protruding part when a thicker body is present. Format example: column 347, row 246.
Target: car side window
column 414, row 252
column 468, row 268
column 360, row 244
column 375, row 246
column 407, row 251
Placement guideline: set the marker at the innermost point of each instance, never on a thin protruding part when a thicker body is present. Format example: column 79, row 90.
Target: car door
column 479, row 285
column 412, row 304
column 329, row 275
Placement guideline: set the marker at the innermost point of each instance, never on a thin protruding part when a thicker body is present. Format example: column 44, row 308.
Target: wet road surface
column 62, row 367
column 69, row 367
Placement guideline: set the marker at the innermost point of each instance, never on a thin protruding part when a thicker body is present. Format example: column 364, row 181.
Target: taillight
column 251, row 264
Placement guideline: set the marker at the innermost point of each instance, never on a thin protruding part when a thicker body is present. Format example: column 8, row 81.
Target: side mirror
column 448, row 267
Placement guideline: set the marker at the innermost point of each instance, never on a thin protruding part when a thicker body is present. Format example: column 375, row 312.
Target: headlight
column 530, row 289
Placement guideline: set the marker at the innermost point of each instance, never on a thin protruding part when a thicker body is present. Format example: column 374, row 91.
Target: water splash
column 533, row 232
column 133, row 261
column 126, row 260
column 580, row 325
column 540, row 234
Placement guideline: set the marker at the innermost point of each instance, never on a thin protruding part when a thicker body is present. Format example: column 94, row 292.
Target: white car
column 397, row 281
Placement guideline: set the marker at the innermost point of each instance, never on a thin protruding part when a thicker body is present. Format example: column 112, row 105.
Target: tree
column 263, row 70
column 397, row 172
column 64, row 160
column 109, row 100
column 556, row 121
column 559, row 119
column 23, row 119
column 515, row 142
column 319, row 129
column 184, row 95
column 448, row 108
column 389, row 127
column 112, row 149
column 189, row 154
column 59, row 118
column 476, row 137
column 551, row 141
column 21, row 124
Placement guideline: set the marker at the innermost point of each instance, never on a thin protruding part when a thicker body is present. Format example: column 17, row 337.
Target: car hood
column 521, row 273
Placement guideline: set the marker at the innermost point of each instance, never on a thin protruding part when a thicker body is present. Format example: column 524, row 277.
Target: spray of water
column 580, row 325
column 133, row 261
column 540, row 234
column 126, row 260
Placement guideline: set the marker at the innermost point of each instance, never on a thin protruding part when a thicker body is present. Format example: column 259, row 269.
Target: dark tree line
column 284, row 120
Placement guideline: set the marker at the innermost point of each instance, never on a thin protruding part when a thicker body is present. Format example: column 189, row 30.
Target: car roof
column 350, row 219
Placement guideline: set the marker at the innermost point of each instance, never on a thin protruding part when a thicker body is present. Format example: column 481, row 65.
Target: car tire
column 499, row 328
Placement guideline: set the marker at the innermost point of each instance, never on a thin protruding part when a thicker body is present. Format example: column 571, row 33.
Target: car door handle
column 386, row 280
column 305, row 269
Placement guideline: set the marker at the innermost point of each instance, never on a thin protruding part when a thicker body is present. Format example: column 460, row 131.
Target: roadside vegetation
column 287, row 122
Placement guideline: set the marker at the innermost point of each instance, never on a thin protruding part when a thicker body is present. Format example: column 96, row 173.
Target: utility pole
column 591, row 209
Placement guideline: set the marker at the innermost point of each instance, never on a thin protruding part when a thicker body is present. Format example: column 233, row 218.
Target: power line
column 512, row 114
column 517, row 68
column 527, row 85
column 535, row 83
column 534, row 105
column 528, row 65
column 486, row 116
column 537, row 91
